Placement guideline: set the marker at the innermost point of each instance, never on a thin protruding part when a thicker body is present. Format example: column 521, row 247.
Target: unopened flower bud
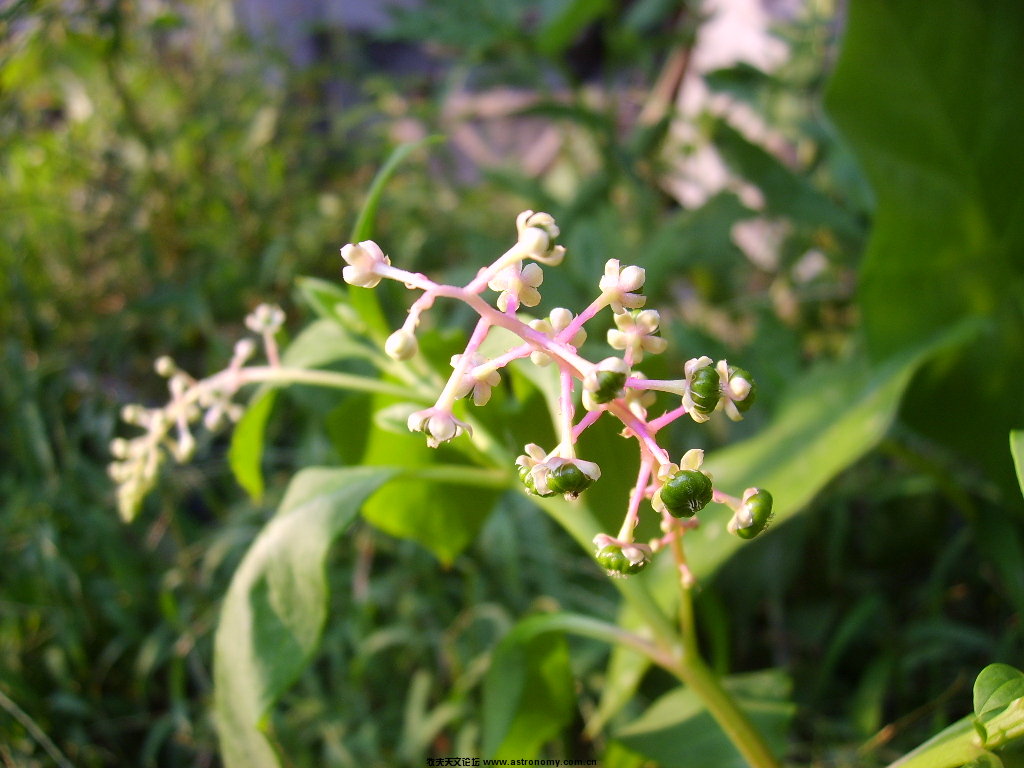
column 119, row 448
column 265, row 319
column 537, row 233
column 438, row 425
column 363, row 259
column 401, row 345
column 165, row 366
column 622, row 285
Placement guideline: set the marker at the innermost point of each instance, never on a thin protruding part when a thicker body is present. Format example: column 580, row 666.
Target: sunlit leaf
column 996, row 686
column 275, row 608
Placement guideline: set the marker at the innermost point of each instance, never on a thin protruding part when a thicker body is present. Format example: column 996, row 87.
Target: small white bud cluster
column 266, row 319
column 477, row 379
column 621, row 285
column 635, row 331
column 517, row 283
column 167, row 431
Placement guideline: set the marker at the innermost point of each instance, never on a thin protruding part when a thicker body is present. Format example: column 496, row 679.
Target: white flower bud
column 438, row 425
column 165, row 366
column 401, row 345
column 619, row 286
column 363, row 260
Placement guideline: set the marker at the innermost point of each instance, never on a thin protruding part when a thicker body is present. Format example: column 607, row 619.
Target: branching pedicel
column 677, row 491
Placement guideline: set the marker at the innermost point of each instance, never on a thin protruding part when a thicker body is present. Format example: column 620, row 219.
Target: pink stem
column 641, row 430
column 566, row 409
column 578, row 322
column 666, row 418
column 586, row 421
column 635, row 497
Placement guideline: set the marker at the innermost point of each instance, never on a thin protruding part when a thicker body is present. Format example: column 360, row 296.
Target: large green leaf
column 678, row 732
column 442, row 516
column 274, row 612
column 833, row 417
column 929, row 97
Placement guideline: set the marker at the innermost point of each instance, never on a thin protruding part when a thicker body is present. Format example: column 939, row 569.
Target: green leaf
column 245, row 456
column 623, row 674
column 442, row 516
column 320, row 343
column 1017, row 451
column 786, row 193
column 528, row 695
column 996, row 686
column 528, row 691
column 364, row 300
column 950, row 748
column 832, row 417
column 275, row 608
column 329, row 301
column 676, row 731
column 987, row 760
column 921, row 93
column 560, row 30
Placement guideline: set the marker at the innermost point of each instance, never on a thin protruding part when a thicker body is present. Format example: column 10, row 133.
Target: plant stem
column 331, row 379
column 723, row 708
column 679, row 656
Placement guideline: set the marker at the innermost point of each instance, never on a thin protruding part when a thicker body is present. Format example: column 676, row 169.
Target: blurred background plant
column 161, row 173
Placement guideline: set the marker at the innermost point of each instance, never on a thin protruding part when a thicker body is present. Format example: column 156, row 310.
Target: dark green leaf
column 924, row 95
column 830, row 419
column 443, row 517
column 564, row 27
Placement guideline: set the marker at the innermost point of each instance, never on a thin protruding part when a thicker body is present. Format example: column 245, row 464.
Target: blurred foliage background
column 161, row 173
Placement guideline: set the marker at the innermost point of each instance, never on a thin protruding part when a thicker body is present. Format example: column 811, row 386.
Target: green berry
column 568, row 479
column 612, row 560
column 527, row 479
column 609, row 386
column 760, row 506
column 686, row 493
column 705, row 390
column 744, row 404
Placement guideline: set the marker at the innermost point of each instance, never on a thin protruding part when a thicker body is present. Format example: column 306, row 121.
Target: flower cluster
column 611, row 385
column 167, row 431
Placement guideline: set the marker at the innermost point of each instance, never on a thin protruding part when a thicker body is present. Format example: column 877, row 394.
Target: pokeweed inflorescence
column 613, row 386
